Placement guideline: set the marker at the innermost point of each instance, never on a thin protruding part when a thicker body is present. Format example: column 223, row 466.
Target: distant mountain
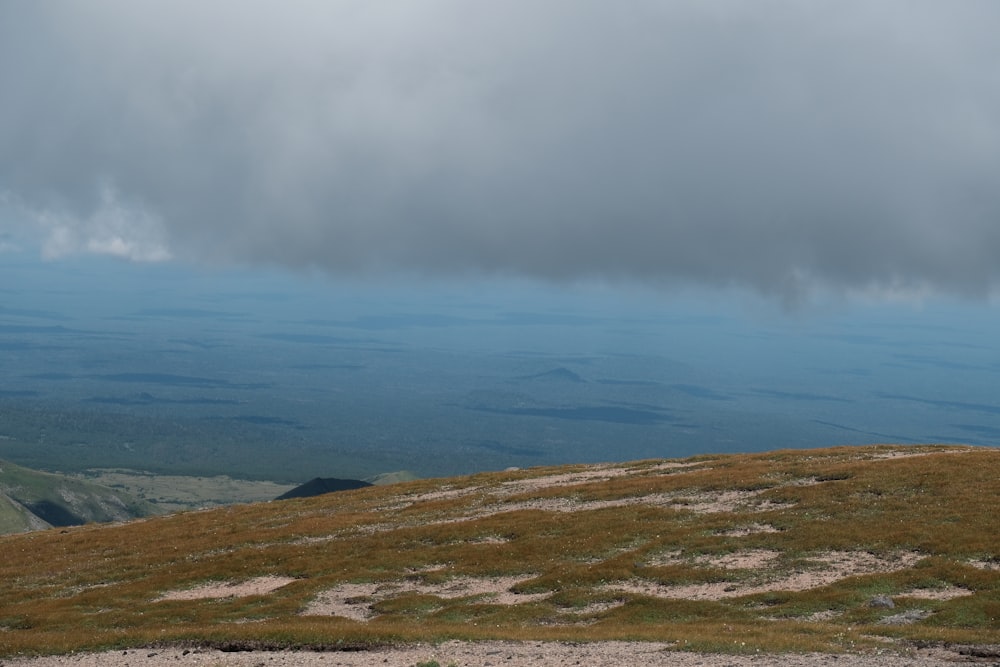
column 557, row 374
column 392, row 477
column 321, row 485
column 34, row 500
column 16, row 518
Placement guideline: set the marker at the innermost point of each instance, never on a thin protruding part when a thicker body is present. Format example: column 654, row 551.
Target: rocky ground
column 506, row 654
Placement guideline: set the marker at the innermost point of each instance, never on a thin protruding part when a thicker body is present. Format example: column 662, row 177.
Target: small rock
column 906, row 617
column 882, row 602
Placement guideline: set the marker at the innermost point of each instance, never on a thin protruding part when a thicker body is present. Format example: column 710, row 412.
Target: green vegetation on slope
column 781, row 551
column 16, row 518
column 30, row 500
column 173, row 493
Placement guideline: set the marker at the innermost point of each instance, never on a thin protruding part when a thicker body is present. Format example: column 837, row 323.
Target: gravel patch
column 484, row 654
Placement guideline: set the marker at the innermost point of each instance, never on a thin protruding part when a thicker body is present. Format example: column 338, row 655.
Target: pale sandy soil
column 490, row 654
column 258, row 586
column 355, row 600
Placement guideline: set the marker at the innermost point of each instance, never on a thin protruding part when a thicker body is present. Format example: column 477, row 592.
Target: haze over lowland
column 363, row 238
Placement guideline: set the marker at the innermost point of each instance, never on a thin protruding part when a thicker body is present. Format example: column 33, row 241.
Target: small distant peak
column 392, row 477
column 321, row 485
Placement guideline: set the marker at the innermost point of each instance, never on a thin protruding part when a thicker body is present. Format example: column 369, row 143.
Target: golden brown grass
column 597, row 557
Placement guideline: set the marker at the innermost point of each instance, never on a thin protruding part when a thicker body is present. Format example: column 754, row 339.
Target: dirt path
column 490, row 654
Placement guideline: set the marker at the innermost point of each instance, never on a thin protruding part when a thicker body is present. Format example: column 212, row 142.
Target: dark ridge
column 266, row 421
column 38, row 329
column 164, row 379
column 188, row 312
column 884, row 437
column 610, row 414
column 401, row 321
column 194, row 342
column 980, row 429
column 799, row 396
column 311, row 339
column 50, row 376
column 18, row 345
column 937, row 362
column 636, row 383
column 145, row 398
column 545, row 319
column 321, row 485
column 976, row 407
column 54, row 515
column 700, row 392
column 560, row 374
column 495, row 446
column 318, row 367
column 39, row 314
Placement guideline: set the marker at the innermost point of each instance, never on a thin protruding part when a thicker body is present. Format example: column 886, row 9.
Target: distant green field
column 33, row 500
column 173, row 493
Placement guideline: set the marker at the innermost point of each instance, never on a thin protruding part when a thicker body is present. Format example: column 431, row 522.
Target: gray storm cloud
column 848, row 145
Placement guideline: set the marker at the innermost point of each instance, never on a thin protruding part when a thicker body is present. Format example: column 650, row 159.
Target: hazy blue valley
column 287, row 377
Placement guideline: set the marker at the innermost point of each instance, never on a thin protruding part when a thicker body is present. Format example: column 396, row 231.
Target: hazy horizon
column 280, row 375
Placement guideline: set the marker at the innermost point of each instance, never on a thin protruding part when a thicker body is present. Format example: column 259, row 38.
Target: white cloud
column 115, row 228
column 779, row 145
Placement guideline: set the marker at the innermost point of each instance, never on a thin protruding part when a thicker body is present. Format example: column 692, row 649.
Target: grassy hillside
column 16, row 518
column 30, row 500
column 836, row 550
column 174, row 493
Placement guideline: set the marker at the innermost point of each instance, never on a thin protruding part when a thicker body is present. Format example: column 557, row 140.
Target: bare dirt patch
column 985, row 564
column 258, row 586
column 356, row 600
column 713, row 502
column 445, row 493
column 596, row 473
column 851, row 563
column 903, row 454
column 600, row 473
column 822, row 616
column 949, row 593
column 740, row 560
column 826, row 568
column 752, row 529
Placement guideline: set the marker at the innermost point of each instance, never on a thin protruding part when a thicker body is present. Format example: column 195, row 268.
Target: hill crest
column 35, row 500
column 779, row 551
column 320, row 485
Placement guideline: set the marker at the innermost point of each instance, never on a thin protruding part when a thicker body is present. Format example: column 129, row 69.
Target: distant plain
column 282, row 378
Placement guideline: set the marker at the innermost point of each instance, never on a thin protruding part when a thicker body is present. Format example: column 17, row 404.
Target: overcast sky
column 782, row 146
